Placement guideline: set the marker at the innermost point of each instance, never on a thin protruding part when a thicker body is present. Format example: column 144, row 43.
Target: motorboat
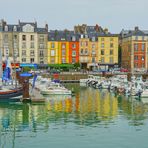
column 144, row 94
column 55, row 89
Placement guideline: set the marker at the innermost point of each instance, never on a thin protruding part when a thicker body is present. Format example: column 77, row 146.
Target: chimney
column 46, row 27
column 106, row 31
column 136, row 28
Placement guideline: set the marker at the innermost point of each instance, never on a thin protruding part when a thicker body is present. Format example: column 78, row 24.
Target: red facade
column 73, row 52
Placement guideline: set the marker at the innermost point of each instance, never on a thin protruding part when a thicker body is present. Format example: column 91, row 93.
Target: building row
column 91, row 46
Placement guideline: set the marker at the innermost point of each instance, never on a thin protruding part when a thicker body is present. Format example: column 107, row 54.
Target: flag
column 34, row 79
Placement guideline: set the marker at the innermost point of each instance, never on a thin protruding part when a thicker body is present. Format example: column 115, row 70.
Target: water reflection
column 89, row 107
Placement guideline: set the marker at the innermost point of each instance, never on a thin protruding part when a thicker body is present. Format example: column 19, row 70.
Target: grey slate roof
column 136, row 32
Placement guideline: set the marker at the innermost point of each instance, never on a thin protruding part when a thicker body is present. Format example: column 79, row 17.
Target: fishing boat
column 9, row 92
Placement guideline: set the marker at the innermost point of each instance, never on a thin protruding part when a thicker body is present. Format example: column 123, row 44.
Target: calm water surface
column 90, row 119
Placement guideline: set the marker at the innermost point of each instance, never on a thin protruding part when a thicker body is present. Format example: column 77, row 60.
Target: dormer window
column 6, row 28
column 93, row 39
column 73, row 38
column 14, row 28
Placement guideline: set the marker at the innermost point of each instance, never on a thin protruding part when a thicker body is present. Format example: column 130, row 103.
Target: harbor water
column 91, row 118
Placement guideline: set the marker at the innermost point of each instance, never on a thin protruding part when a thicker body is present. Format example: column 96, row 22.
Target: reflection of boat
column 58, row 97
column 55, row 89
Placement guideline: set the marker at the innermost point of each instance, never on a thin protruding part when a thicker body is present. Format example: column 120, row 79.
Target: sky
column 65, row 14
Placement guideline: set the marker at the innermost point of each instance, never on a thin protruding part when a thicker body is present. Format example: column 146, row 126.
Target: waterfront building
column 23, row 42
column 42, row 45
column 9, row 41
column 73, row 48
column 93, row 52
column 63, row 43
column 53, row 48
column 84, row 51
column 107, row 50
column 134, row 47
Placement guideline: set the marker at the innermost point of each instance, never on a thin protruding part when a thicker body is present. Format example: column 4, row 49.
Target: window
column 41, row 62
column 52, row 45
column 111, row 45
column 23, row 59
column 93, row 46
column 15, row 38
column 143, row 37
column 6, row 28
column 41, row 46
column 93, row 52
column 102, row 39
column 24, row 45
column 86, row 43
column 73, row 38
column 102, row 59
column 63, row 60
column 143, row 47
column 135, row 57
column 23, row 52
column 143, row 65
column 136, row 47
column 136, row 37
column 52, row 52
column 52, row 60
column 81, row 43
column 93, row 60
column 32, row 45
column 111, row 60
column 82, row 51
column 41, row 38
column 73, row 45
column 31, row 60
column 31, row 52
column 142, row 58
column 93, row 39
column 63, row 52
column 136, row 65
column 111, row 39
column 73, row 60
column 14, row 28
column 5, row 38
column 102, row 52
column 7, row 51
column 63, row 46
column 32, row 37
column 73, row 53
column 41, row 53
column 24, row 37
column 102, row 45
column 86, row 52
column 111, row 52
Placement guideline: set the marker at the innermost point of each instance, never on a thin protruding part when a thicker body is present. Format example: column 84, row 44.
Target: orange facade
column 140, row 54
column 73, row 52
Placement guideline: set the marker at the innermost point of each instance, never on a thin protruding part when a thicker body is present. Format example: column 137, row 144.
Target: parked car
column 123, row 70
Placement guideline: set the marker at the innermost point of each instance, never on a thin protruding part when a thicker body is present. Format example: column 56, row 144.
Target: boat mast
column 1, row 63
column 14, row 58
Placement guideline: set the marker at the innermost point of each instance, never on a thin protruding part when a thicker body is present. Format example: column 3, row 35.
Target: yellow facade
column 63, row 52
column 108, row 49
column 53, row 52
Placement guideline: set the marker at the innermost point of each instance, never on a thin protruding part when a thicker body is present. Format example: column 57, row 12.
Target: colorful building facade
column 107, row 49
column 134, row 47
